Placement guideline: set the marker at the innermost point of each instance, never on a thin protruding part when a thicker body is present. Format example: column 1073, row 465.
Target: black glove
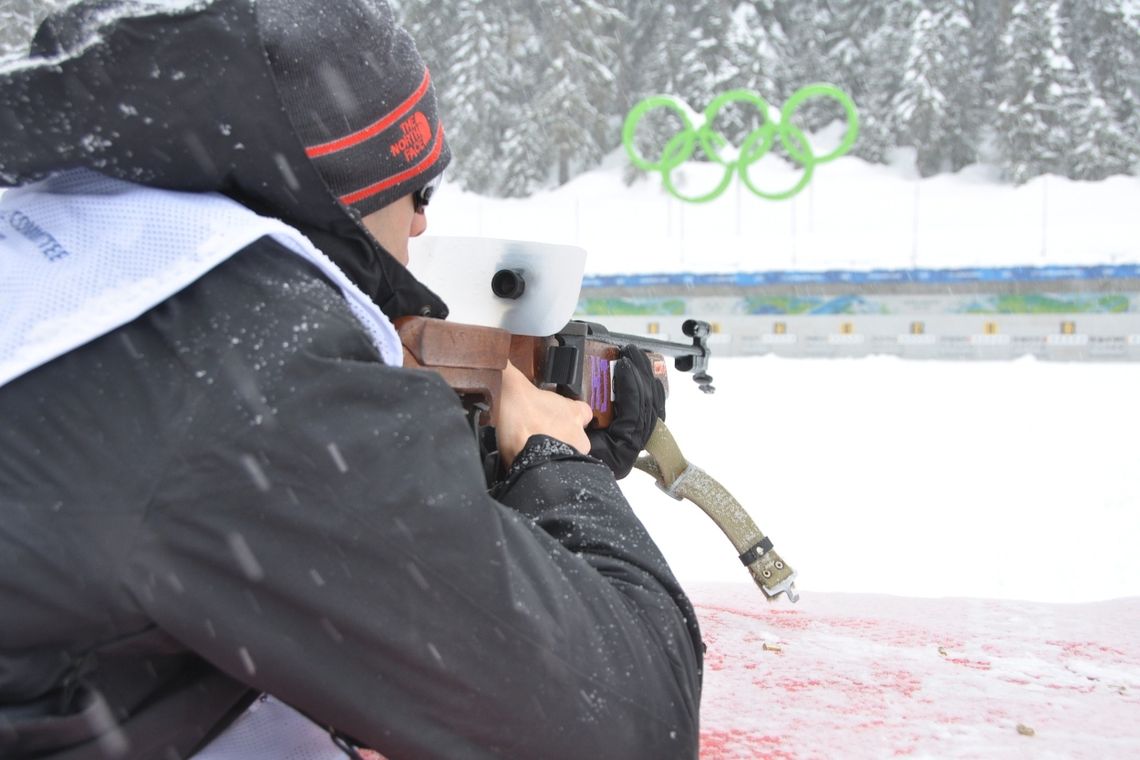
column 639, row 401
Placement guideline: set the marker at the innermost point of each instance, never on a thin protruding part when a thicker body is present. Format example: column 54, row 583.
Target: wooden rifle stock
column 472, row 359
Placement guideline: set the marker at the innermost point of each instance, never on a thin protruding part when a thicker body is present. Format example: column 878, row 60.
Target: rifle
column 576, row 362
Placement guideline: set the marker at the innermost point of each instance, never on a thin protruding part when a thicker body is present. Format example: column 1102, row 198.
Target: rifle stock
column 576, row 362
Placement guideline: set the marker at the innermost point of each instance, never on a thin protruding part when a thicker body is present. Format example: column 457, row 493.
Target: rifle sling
column 677, row 477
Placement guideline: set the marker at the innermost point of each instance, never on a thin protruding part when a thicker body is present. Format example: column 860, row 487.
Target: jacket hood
column 180, row 95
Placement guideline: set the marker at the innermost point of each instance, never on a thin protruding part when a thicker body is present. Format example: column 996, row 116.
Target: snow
column 964, row 532
column 1011, row 480
column 851, row 215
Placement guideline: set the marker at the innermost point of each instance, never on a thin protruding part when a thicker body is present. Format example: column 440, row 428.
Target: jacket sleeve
column 324, row 534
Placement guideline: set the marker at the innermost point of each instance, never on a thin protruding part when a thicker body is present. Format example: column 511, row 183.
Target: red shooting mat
column 867, row 676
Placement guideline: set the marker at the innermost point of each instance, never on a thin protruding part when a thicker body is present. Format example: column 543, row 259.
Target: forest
column 535, row 91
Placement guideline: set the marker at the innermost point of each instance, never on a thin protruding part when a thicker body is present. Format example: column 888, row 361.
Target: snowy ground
column 1014, row 480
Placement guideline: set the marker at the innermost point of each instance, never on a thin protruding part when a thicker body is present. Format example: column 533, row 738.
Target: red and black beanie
column 359, row 97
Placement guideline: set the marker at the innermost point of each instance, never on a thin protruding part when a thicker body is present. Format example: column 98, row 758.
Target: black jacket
column 232, row 494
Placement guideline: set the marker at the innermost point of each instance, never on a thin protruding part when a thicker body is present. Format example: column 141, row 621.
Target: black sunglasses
column 422, row 197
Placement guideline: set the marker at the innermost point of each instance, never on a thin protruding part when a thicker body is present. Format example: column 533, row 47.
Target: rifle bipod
column 682, row 480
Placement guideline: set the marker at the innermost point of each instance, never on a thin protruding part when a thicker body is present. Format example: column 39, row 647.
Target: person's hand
column 526, row 410
column 639, row 401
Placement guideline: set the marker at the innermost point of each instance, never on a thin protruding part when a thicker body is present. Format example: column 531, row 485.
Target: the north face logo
column 417, row 136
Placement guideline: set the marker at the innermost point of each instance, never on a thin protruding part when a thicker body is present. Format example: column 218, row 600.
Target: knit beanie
column 358, row 95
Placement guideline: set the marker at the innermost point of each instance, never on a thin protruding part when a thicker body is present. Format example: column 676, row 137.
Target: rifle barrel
column 664, row 347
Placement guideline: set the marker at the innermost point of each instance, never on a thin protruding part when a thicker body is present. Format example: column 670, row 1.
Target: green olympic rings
column 698, row 130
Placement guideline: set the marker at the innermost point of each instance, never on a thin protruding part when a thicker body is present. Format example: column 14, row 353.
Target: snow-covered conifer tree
column 647, row 63
column 484, row 53
column 706, row 61
column 937, row 105
column 1104, row 38
column 571, row 101
column 1036, row 79
column 881, row 33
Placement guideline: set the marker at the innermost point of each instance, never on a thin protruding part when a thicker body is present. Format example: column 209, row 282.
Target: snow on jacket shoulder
column 232, row 492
